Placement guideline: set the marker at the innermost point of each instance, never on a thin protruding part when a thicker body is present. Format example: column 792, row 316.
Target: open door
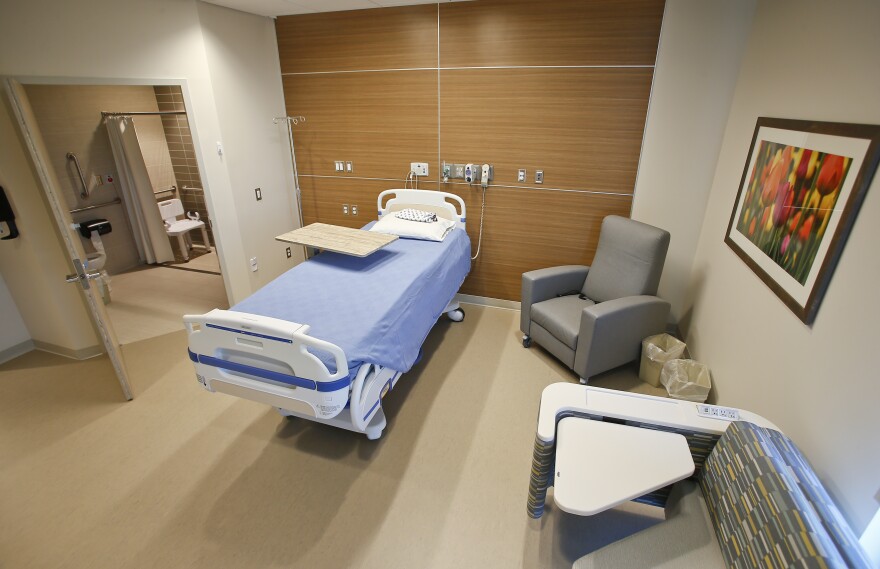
column 60, row 214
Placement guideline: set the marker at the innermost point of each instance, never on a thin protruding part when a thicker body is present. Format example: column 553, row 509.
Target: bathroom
column 150, row 280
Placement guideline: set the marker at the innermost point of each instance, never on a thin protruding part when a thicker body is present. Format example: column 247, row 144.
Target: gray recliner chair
column 595, row 318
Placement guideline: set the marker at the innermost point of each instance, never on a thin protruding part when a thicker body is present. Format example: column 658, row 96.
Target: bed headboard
column 425, row 200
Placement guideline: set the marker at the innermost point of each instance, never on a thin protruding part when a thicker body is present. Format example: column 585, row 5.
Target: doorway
column 144, row 297
column 97, row 181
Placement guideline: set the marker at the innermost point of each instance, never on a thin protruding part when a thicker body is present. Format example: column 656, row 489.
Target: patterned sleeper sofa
column 765, row 503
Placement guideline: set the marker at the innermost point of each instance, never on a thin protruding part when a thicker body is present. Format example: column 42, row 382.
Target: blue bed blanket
column 378, row 309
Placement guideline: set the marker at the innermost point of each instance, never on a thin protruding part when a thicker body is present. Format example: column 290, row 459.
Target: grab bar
column 87, row 208
column 85, row 192
column 170, row 189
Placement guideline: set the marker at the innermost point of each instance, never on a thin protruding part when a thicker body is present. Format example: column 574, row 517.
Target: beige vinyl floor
column 149, row 301
column 180, row 477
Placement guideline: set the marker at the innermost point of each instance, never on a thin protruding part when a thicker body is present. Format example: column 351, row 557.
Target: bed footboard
column 267, row 360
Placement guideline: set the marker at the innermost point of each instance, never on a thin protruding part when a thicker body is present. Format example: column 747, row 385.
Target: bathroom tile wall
column 183, row 158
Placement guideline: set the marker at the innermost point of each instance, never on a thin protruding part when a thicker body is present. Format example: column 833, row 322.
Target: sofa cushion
column 561, row 317
column 761, row 516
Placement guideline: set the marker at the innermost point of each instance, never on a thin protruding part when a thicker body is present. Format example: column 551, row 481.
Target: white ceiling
column 289, row 7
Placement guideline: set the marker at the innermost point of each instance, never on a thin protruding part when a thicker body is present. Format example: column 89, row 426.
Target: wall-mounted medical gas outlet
column 539, row 176
column 469, row 173
column 348, row 167
column 458, row 171
column 254, row 265
column 259, row 193
column 288, row 253
column 447, row 171
column 419, row 168
column 354, row 210
column 521, row 175
column 345, row 209
column 340, row 165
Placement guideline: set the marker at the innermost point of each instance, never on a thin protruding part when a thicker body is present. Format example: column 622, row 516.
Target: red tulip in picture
column 792, row 191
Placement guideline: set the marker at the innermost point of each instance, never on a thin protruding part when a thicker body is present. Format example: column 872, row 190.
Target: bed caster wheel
column 456, row 315
column 527, row 342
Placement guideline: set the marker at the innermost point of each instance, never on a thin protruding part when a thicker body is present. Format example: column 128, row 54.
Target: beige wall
column 13, row 332
column 141, row 42
column 247, row 90
column 701, row 46
column 819, row 61
column 35, row 263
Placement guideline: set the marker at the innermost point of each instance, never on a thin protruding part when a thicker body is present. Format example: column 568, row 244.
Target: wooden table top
column 344, row 240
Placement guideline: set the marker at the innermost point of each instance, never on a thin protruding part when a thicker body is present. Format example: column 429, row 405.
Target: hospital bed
column 328, row 339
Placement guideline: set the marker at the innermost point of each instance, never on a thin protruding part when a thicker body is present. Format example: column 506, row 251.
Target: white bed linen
column 433, row 231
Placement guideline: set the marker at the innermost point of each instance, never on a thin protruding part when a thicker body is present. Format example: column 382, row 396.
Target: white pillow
column 433, row 231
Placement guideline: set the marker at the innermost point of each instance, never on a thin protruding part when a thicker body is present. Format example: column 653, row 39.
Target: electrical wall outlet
column 521, row 175
column 288, row 252
column 458, row 171
column 259, row 193
column 254, row 265
column 354, row 210
column 345, row 209
column 539, row 176
column 349, row 167
column 419, row 168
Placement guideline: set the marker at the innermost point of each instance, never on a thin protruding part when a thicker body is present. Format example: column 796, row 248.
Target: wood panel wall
column 557, row 85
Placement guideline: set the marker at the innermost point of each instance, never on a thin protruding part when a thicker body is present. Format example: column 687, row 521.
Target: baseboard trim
column 16, row 350
column 81, row 354
column 486, row 301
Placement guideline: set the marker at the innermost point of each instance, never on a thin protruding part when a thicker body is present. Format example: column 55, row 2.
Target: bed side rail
column 267, row 360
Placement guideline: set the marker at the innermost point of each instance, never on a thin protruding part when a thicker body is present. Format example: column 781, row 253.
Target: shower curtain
column 137, row 192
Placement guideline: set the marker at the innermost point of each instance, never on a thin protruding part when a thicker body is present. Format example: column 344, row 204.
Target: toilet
column 170, row 209
column 92, row 230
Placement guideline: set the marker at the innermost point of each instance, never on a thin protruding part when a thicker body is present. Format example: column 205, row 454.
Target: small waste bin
column 686, row 379
column 656, row 351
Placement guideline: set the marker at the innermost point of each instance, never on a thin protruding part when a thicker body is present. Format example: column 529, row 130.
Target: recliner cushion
column 561, row 317
column 628, row 261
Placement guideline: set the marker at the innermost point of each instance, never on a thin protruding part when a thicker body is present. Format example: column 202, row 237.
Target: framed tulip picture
column 801, row 190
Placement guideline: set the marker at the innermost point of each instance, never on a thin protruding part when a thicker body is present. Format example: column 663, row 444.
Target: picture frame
column 801, row 190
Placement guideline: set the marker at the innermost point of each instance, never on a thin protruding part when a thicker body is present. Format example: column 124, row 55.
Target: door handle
column 81, row 275
column 75, row 277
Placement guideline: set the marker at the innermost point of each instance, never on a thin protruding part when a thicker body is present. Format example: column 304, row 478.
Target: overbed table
column 601, row 465
column 598, row 476
column 338, row 239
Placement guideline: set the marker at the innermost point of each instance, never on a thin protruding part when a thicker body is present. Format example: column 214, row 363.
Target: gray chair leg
column 584, row 380
column 526, row 340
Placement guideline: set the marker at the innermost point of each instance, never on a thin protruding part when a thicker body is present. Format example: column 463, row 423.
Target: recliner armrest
column 544, row 284
column 611, row 332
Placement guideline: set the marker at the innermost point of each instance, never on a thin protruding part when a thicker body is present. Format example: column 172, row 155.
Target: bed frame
column 254, row 357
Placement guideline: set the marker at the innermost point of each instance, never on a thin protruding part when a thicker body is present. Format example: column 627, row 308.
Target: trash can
column 656, row 351
column 686, row 379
